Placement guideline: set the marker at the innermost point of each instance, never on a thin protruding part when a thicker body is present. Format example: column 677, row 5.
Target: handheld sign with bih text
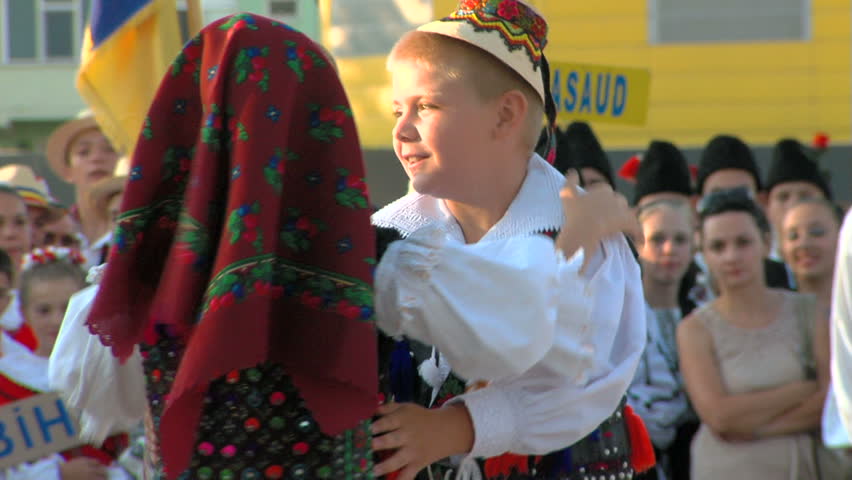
column 600, row 93
column 34, row 428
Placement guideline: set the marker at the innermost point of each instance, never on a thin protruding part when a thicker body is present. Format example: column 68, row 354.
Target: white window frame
column 283, row 18
column 41, row 58
column 654, row 25
column 76, row 9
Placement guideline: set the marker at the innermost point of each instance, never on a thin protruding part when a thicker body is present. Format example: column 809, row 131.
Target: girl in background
column 48, row 280
column 657, row 392
column 809, row 233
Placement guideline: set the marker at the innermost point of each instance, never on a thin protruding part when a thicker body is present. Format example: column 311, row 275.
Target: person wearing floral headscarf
column 242, row 264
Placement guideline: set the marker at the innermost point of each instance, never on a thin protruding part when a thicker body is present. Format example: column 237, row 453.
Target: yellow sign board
column 600, row 93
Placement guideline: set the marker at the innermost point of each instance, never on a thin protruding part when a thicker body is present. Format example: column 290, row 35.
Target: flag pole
column 194, row 16
column 325, row 21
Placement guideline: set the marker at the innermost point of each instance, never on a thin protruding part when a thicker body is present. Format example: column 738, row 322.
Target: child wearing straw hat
column 104, row 200
column 520, row 373
column 42, row 208
column 81, row 155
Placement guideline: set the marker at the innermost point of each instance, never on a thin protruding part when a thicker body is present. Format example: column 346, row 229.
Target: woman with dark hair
column 754, row 360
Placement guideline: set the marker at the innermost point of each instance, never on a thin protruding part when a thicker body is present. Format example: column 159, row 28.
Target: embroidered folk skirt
column 254, row 426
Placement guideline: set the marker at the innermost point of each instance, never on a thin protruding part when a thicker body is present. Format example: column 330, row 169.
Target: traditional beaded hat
column 508, row 29
column 515, row 34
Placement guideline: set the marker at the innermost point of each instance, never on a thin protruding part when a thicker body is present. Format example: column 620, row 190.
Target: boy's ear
column 512, row 109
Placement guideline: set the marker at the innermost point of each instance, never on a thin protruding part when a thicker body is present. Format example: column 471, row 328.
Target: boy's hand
column 420, row 436
column 591, row 217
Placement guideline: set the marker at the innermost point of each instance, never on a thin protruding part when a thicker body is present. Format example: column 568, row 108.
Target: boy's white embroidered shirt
column 558, row 347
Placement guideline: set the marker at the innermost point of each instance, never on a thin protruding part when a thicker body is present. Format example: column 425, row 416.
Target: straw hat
column 509, row 29
column 104, row 190
column 32, row 188
column 61, row 138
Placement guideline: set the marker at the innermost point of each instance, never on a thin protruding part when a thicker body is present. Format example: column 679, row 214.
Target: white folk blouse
column 841, row 337
column 559, row 347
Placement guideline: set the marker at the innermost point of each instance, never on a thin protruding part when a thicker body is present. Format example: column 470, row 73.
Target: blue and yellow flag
column 127, row 48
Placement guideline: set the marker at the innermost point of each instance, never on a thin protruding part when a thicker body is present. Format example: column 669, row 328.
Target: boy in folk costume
column 79, row 153
column 578, row 147
column 547, row 345
column 662, row 195
column 794, row 175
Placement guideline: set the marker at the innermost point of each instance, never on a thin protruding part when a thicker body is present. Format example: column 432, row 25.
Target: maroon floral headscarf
column 245, row 229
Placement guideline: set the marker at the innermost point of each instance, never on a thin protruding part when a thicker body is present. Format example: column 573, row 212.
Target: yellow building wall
column 759, row 91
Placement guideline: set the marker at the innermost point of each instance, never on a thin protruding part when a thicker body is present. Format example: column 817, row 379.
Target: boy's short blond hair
column 485, row 73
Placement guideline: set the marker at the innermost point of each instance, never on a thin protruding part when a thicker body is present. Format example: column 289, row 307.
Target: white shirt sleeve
column 561, row 346
column 109, row 394
column 497, row 299
column 44, row 469
column 841, row 326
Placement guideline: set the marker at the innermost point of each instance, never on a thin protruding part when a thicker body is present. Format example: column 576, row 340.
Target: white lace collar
column 22, row 366
column 535, row 209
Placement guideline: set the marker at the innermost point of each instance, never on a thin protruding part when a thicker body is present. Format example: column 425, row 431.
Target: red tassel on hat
column 504, row 464
column 821, row 141
column 642, row 456
column 630, row 168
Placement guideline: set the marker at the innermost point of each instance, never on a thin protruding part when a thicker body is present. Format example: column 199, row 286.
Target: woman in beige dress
column 755, row 360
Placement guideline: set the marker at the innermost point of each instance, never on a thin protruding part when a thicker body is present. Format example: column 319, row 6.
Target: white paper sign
column 34, row 428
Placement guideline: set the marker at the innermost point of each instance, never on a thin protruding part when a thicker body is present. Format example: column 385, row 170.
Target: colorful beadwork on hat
column 507, row 29
column 518, row 24
column 518, row 40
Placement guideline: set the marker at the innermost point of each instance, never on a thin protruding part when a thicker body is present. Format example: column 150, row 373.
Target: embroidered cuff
column 493, row 416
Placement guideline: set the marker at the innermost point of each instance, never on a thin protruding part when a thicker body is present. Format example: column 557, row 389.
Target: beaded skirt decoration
column 604, row 454
column 255, row 426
